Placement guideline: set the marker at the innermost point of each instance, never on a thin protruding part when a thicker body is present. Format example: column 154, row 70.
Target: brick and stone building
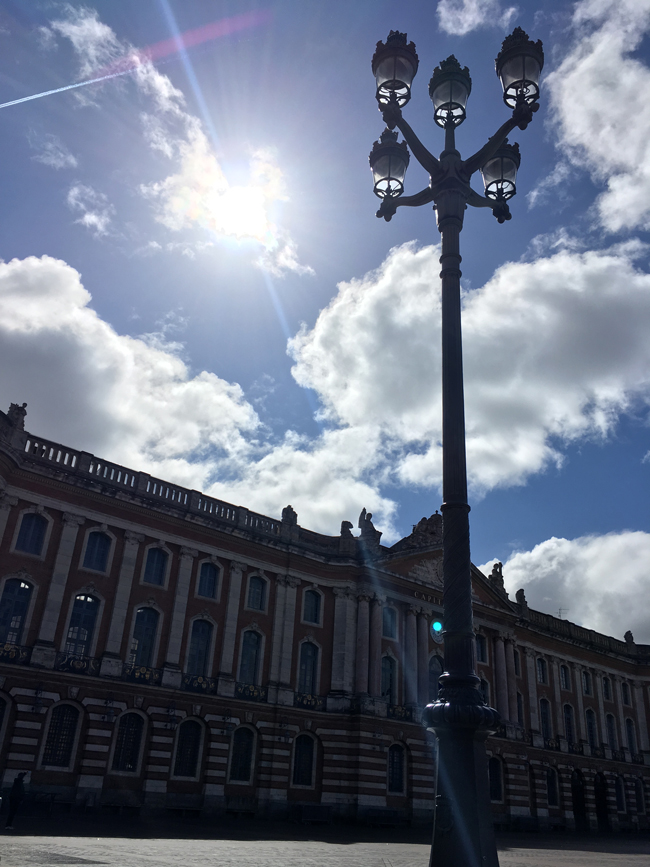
column 163, row 650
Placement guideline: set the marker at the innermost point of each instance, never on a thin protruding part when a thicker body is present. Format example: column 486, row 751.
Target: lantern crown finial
column 449, row 68
column 515, row 41
column 394, row 65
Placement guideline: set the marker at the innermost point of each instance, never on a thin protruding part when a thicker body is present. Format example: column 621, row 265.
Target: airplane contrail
column 214, row 30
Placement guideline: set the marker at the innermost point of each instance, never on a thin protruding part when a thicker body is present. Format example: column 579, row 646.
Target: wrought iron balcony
column 142, row 674
column 251, row 692
column 576, row 749
column 551, row 744
column 77, row 664
column 618, row 755
column 15, row 654
column 314, row 702
column 397, row 711
column 199, row 683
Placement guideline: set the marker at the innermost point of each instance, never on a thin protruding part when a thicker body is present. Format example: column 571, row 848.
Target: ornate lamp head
column 394, row 65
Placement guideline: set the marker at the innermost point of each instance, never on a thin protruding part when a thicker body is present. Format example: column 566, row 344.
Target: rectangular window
column 586, row 683
column 517, row 664
column 520, row 709
column 481, row 648
column 565, row 680
column 542, row 676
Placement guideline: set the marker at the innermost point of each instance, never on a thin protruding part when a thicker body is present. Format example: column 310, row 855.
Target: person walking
column 16, row 796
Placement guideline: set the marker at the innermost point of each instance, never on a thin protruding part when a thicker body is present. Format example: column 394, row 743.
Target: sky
column 194, row 282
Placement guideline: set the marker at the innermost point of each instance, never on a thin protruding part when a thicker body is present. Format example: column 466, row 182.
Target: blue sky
column 194, row 282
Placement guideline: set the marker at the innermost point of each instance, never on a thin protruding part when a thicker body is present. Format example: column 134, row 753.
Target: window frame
column 613, row 729
column 98, row 528
column 314, row 761
column 69, row 768
column 199, row 763
column 484, row 656
column 607, row 691
column 516, row 662
column 312, row 589
column 551, row 773
column 319, row 658
column 572, row 716
column 395, row 610
column 396, row 673
column 26, row 578
column 630, row 725
column 168, row 566
column 626, row 694
column 267, row 593
column 143, row 744
column 231, row 752
column 541, row 670
column 33, row 510
column 587, row 683
column 220, row 573
column 211, row 649
column 159, row 630
column 620, row 795
column 395, row 793
column 544, row 702
column 638, row 785
column 83, row 591
column 565, row 678
column 590, row 713
column 260, row 659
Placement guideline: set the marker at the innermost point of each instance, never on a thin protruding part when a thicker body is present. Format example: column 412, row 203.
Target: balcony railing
column 551, row 744
column 15, row 654
column 251, row 692
column 576, row 749
column 397, row 711
column 198, row 683
column 77, row 664
column 618, row 755
column 313, row 702
column 142, row 674
column 637, row 758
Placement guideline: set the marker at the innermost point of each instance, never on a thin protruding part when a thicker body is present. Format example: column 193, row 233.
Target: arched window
column 517, row 663
column 389, row 679
column 155, row 567
column 481, row 648
column 198, row 659
column 619, row 788
column 607, row 689
column 520, row 709
column 542, row 673
column 592, row 731
column 552, row 794
column 435, row 670
column 565, row 677
column 396, row 769
column 241, row 765
column 61, row 732
column 545, row 718
column 188, row 746
column 311, row 607
column 208, row 580
column 257, row 593
column 13, row 610
column 611, row 731
column 98, row 547
column 569, row 728
column 144, row 637
column 303, row 761
column 389, row 622
column 308, row 668
column 128, row 743
column 496, row 779
column 82, row 625
column 631, row 736
column 586, row 683
column 250, row 657
column 484, row 689
column 625, row 689
column 638, row 796
column 31, row 534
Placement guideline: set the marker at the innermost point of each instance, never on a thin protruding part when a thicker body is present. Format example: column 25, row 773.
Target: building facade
column 163, row 650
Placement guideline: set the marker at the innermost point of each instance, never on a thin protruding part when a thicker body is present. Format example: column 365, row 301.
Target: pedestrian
column 16, row 796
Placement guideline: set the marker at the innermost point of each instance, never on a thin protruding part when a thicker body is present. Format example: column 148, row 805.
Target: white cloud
column 51, row 151
column 548, row 187
column 93, row 41
column 460, row 17
column 600, row 582
column 96, row 210
column 554, row 351
column 600, row 109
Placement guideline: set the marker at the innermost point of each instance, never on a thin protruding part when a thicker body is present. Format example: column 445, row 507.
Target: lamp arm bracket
column 476, row 200
column 390, row 205
column 426, row 159
column 479, row 159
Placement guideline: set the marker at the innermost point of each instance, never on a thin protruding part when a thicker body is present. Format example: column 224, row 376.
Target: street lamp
column 463, row 830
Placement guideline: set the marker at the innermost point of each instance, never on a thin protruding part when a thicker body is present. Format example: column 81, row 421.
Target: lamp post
column 463, row 833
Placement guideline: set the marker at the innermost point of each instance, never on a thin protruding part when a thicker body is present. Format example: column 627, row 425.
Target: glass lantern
column 388, row 162
column 394, row 66
column 500, row 172
column 519, row 65
column 449, row 89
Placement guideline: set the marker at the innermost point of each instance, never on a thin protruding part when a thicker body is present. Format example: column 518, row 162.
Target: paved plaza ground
column 60, row 842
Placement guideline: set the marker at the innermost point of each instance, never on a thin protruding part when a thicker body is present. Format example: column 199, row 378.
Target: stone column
column 641, row 717
column 423, row 658
column 374, row 677
column 286, row 659
column 278, row 625
column 172, row 674
column 226, row 681
column 344, row 642
column 111, row 661
column 581, row 726
column 501, row 676
column 45, row 654
column 361, row 666
column 6, row 504
column 411, row 658
column 511, row 677
column 531, row 677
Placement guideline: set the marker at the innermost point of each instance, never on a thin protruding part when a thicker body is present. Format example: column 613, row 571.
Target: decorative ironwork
column 15, row 654
column 618, row 755
column 500, row 732
column 199, row 683
column 397, row 711
column 142, row 674
column 551, row 744
column 251, row 692
column 314, row 702
column 637, row 758
column 576, row 749
column 598, row 752
column 77, row 664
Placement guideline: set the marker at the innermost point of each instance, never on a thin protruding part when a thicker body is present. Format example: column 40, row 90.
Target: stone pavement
column 266, row 844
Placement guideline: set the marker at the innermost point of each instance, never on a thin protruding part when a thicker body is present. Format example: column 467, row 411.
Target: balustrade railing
column 314, row 702
column 142, row 674
column 251, row 692
column 77, row 664
column 397, row 711
column 15, row 654
column 199, row 683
